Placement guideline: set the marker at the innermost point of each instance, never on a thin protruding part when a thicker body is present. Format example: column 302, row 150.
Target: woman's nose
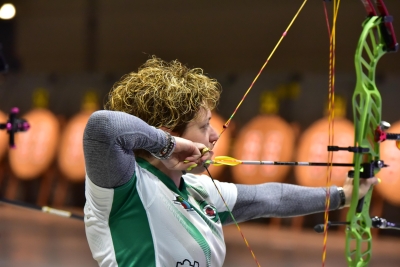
column 213, row 136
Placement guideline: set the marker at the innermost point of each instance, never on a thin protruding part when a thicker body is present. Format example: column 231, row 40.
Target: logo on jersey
column 184, row 203
column 187, row 263
column 210, row 211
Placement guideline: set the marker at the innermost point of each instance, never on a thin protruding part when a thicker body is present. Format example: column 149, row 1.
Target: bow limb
column 376, row 39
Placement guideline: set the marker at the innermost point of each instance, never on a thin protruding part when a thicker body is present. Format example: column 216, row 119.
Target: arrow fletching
column 225, row 160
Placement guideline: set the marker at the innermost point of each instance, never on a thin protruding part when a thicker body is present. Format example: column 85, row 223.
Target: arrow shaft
column 44, row 209
column 297, row 163
column 290, row 163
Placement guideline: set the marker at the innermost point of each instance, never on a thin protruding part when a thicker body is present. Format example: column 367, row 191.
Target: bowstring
column 331, row 108
column 233, row 218
column 226, row 125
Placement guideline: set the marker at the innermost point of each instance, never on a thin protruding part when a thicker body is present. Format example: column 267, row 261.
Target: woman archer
column 141, row 210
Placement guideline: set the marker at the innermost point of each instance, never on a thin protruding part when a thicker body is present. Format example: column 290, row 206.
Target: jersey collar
column 182, row 190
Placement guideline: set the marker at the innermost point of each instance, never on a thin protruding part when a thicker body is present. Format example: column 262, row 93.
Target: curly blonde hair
column 166, row 94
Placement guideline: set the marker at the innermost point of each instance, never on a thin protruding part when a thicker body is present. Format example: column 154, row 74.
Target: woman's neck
column 175, row 176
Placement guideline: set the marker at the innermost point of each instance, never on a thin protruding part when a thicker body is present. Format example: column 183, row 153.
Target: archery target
column 70, row 154
column 266, row 137
column 390, row 176
column 3, row 136
column 36, row 148
column 313, row 147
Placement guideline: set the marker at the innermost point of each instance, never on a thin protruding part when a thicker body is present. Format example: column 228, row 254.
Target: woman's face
column 201, row 131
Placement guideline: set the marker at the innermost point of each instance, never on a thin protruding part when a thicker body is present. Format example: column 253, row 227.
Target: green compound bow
column 377, row 38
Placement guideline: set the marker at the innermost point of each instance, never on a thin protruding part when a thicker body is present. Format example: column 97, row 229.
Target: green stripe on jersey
column 130, row 229
column 183, row 192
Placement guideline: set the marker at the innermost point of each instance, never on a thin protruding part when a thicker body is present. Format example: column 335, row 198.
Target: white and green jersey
column 135, row 216
column 150, row 222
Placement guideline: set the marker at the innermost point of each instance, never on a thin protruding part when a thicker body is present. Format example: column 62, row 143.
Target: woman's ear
column 165, row 129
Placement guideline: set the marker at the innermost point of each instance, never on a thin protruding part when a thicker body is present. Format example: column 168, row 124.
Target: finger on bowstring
column 204, row 151
column 191, row 159
column 197, row 157
column 207, row 156
column 188, row 166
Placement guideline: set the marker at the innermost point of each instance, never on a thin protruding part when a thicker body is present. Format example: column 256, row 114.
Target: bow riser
column 367, row 108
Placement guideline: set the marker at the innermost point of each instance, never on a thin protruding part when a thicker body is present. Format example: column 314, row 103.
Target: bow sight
column 368, row 170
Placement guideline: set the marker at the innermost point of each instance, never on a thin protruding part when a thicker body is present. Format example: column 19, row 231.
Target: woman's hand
column 365, row 185
column 206, row 154
column 186, row 155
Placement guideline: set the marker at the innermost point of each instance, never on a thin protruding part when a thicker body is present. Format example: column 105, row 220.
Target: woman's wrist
column 342, row 197
column 168, row 149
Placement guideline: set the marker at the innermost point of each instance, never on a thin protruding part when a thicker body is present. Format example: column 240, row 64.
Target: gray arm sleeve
column 280, row 200
column 108, row 143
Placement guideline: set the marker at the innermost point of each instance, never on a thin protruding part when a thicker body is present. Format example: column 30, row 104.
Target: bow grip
column 367, row 171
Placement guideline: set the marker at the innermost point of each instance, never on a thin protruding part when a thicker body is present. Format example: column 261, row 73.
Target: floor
column 34, row 239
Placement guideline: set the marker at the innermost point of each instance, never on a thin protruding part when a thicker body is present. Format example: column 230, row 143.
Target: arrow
column 229, row 161
column 45, row 209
